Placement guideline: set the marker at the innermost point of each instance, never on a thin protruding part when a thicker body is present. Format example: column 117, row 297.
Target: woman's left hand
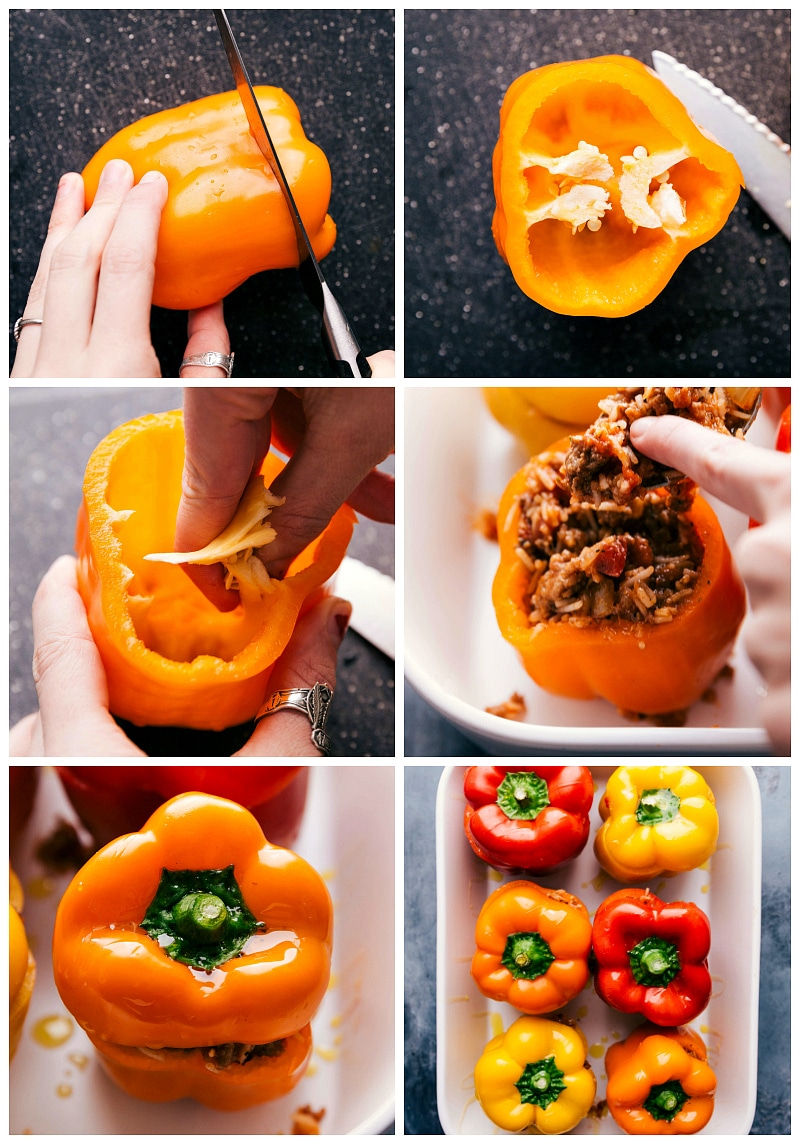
column 94, row 285
column 73, row 719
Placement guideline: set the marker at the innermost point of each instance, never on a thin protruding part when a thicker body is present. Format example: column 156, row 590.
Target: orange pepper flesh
column 616, row 104
column 225, row 217
column 559, row 920
column 124, row 989
column 645, row 668
column 172, row 659
column 21, row 965
column 651, row 1057
column 234, row 1088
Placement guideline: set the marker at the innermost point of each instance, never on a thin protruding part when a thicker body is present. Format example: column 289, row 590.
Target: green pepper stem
column 201, row 917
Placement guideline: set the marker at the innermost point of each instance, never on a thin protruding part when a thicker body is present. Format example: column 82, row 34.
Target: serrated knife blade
column 763, row 157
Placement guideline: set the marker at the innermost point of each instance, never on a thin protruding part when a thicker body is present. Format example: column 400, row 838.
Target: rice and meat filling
column 219, row 1057
column 601, row 464
column 635, row 562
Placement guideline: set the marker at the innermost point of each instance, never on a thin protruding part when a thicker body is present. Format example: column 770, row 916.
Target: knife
column 344, row 353
column 372, row 595
column 763, row 157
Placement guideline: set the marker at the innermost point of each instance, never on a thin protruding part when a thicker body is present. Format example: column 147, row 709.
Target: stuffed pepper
column 636, row 603
column 21, row 965
column 528, row 818
column 111, row 801
column 656, row 820
column 194, row 954
column 535, row 1077
column 660, row 1082
column 532, row 947
column 651, row 957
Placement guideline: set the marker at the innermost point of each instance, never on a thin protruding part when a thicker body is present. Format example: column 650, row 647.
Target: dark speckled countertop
column 772, row 1117
column 725, row 312
column 51, row 435
column 79, row 76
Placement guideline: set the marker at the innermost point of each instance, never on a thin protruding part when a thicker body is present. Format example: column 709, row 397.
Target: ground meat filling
column 634, row 562
column 601, row 465
column 219, row 1057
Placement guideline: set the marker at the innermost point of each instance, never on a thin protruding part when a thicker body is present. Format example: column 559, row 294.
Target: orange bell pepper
column 21, row 965
column 660, row 1082
column 196, row 934
column 225, row 217
column 639, row 667
column 170, row 657
column 581, row 145
column 533, row 947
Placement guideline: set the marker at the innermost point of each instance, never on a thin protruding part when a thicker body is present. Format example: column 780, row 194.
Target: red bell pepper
column 652, row 956
column 784, row 441
column 112, row 801
column 525, row 818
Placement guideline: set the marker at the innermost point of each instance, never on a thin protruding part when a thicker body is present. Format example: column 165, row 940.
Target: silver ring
column 315, row 702
column 210, row 358
column 20, row 322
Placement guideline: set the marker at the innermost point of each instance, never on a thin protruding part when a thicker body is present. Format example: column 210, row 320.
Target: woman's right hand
column 757, row 482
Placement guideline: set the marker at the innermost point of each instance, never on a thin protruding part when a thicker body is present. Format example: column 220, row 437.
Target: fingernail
column 152, row 177
column 65, row 184
column 339, row 621
column 115, row 173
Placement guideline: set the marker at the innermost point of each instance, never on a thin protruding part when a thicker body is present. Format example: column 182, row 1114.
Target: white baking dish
column 458, row 462
column 347, row 835
column 728, row 889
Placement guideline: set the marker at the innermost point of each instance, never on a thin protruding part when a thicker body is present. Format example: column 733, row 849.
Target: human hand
column 334, row 435
column 73, row 719
column 382, row 363
column 757, row 482
column 94, row 285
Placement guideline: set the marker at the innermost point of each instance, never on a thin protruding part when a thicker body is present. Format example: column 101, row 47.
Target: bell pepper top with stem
column 528, row 818
column 640, row 667
column 535, row 1077
column 651, row 957
column 193, row 932
column 532, row 947
column 225, row 218
column 656, row 820
column 603, row 184
column 660, row 1082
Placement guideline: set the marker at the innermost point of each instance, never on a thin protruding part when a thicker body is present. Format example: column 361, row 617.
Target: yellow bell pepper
column 536, row 1076
column 540, row 414
column 21, row 965
column 656, row 820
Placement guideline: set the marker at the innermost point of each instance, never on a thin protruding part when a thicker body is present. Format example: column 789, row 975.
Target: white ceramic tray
column 458, row 462
column 347, row 835
column 728, row 889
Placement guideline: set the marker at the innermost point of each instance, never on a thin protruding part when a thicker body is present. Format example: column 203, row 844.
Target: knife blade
column 372, row 595
column 763, row 157
column 344, row 353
